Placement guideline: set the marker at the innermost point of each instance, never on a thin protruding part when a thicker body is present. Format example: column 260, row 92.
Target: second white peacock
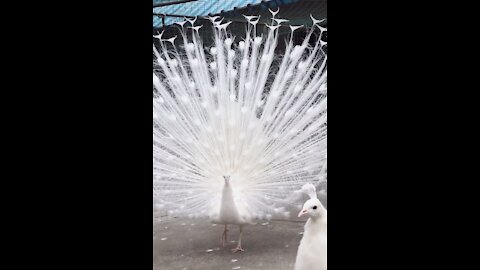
column 236, row 128
column 312, row 251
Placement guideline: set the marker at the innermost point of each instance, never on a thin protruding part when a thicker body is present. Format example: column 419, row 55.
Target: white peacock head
column 312, row 207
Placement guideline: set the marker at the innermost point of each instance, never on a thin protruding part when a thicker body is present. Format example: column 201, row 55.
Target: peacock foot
column 237, row 249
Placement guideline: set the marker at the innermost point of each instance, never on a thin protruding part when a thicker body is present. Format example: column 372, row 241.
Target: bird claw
column 237, row 249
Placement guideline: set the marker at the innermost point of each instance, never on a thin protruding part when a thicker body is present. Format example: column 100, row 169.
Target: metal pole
column 172, row 3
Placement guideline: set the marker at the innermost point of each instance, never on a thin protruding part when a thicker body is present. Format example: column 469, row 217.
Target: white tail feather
column 234, row 112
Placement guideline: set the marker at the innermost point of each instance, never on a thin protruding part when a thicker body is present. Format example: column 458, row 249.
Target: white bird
column 236, row 127
column 312, row 251
column 229, row 214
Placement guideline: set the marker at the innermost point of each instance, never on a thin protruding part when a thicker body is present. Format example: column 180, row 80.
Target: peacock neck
column 227, row 192
column 316, row 224
column 228, row 201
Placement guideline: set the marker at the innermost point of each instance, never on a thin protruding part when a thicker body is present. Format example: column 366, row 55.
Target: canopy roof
column 167, row 12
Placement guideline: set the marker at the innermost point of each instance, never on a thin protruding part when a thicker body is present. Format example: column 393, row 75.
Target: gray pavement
column 194, row 244
column 187, row 244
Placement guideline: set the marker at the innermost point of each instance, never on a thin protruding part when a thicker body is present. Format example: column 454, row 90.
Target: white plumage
column 237, row 111
column 312, row 251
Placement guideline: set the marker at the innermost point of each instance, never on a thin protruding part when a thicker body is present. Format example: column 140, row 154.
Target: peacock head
column 312, row 207
column 227, row 179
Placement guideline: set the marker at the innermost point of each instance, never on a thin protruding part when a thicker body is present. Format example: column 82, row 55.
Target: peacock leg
column 239, row 246
column 224, row 236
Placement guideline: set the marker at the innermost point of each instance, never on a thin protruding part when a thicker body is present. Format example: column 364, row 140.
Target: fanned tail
column 231, row 110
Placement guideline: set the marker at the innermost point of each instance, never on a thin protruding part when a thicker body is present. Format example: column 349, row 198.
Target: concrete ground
column 194, row 244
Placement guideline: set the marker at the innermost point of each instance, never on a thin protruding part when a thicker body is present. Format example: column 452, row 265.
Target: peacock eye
column 314, row 207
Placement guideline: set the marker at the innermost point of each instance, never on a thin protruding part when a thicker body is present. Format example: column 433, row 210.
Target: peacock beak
column 303, row 212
